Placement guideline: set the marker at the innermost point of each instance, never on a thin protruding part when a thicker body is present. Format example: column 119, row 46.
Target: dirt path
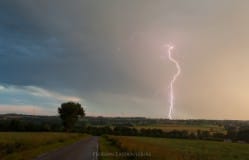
column 82, row 150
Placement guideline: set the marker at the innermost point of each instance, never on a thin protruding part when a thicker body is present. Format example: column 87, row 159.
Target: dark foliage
column 69, row 114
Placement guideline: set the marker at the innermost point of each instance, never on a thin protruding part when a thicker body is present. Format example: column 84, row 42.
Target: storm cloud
column 109, row 54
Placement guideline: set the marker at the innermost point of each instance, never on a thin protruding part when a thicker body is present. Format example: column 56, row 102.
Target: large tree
column 69, row 113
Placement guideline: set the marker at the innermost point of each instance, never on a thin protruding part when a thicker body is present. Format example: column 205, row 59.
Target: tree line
column 71, row 112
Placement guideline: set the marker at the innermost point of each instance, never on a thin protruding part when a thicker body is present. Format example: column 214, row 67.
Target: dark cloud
column 109, row 52
column 79, row 55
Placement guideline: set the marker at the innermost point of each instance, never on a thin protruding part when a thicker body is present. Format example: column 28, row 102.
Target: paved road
column 82, row 150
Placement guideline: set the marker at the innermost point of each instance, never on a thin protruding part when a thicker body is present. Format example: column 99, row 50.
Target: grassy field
column 189, row 128
column 25, row 145
column 181, row 149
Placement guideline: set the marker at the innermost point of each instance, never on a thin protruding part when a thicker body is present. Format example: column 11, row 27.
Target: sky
column 110, row 56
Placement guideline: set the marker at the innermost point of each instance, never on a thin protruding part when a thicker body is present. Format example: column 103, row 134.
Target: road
column 81, row 150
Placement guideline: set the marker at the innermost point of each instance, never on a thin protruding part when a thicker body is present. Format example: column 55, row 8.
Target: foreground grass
column 180, row 149
column 28, row 145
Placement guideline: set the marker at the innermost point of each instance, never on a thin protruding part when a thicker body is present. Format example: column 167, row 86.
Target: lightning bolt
column 171, row 87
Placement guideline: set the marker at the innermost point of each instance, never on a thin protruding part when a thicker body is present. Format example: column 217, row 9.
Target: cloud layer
column 22, row 98
column 108, row 53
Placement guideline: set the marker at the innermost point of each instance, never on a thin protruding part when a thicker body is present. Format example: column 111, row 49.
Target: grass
column 28, row 145
column 189, row 128
column 182, row 149
column 107, row 147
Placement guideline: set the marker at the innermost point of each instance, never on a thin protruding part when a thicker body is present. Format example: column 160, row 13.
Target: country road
column 81, row 150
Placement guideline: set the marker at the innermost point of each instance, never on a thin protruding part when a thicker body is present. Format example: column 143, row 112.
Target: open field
column 180, row 149
column 27, row 145
column 180, row 127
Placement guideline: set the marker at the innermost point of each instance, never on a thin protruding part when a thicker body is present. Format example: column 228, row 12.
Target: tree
column 243, row 134
column 69, row 114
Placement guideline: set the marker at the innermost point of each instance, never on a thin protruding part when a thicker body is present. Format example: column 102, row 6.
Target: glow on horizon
column 171, row 87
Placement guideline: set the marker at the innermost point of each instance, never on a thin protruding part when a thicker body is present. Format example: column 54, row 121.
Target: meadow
column 28, row 145
column 175, row 149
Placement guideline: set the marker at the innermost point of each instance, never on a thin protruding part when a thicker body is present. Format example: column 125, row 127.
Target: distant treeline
column 29, row 126
column 233, row 134
column 236, row 130
column 126, row 121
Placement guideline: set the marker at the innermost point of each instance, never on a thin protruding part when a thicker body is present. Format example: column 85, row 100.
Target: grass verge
column 108, row 150
column 28, row 145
